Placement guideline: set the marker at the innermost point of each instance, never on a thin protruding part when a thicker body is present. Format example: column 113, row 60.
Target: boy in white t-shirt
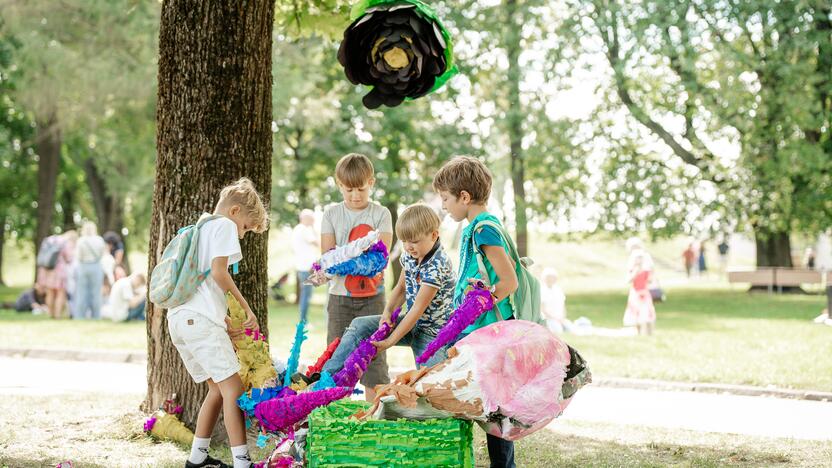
column 200, row 330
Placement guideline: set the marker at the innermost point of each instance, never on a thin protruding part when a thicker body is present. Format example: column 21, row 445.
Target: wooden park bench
column 779, row 278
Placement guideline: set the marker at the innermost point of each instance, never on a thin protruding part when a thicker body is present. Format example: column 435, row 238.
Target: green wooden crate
column 336, row 440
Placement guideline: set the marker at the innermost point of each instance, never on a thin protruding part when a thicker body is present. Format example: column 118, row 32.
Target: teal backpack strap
column 235, row 268
column 481, row 263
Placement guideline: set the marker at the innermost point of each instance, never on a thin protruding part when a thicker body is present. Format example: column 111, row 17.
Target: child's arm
column 219, row 272
column 395, row 301
column 387, row 238
column 504, row 269
column 327, row 242
column 420, row 304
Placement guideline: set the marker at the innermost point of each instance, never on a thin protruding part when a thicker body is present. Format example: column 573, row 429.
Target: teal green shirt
column 484, row 235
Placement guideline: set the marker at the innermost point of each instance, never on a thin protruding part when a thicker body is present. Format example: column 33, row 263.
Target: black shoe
column 299, row 376
column 208, row 463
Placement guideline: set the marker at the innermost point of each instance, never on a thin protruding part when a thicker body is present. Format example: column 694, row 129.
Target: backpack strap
column 481, row 263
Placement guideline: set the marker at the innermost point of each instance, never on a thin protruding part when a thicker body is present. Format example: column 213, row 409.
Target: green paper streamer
column 335, row 439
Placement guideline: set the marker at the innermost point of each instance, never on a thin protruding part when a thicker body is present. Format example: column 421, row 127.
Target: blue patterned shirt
column 435, row 271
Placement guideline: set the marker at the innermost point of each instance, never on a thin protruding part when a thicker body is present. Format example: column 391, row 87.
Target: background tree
column 214, row 114
column 18, row 164
column 69, row 82
column 701, row 77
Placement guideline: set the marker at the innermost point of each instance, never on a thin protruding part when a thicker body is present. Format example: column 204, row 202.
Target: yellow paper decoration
column 169, row 427
column 256, row 368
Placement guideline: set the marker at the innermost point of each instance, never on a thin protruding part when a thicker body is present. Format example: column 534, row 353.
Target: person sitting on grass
column 127, row 298
column 31, row 300
column 425, row 288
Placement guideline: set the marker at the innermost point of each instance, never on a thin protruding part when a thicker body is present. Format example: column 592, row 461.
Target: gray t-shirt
column 341, row 221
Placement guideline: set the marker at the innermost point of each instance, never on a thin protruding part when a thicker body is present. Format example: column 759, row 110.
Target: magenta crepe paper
column 356, row 363
column 476, row 302
column 281, row 414
column 148, row 425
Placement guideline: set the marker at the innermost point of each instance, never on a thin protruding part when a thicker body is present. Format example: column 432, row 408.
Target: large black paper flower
column 397, row 47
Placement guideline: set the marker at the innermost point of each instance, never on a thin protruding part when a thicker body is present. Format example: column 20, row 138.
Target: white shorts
column 205, row 347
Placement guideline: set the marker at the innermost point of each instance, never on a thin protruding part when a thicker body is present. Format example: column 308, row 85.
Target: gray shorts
column 341, row 310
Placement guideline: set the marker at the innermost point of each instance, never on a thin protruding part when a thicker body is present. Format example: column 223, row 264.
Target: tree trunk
column 48, row 148
column 109, row 209
column 2, row 244
column 773, row 248
column 67, row 202
column 515, row 126
column 213, row 126
column 395, row 265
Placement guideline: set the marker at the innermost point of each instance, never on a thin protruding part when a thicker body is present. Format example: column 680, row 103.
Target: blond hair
column 354, row 170
column 243, row 194
column 464, row 174
column 416, row 221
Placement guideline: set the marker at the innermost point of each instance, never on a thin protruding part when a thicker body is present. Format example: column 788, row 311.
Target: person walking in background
column 723, row 249
column 701, row 265
column 640, row 312
column 689, row 256
column 809, row 258
column 306, row 245
column 54, row 260
column 115, row 246
column 90, row 249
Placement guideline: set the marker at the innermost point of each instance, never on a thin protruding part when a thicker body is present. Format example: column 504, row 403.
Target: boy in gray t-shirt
column 356, row 296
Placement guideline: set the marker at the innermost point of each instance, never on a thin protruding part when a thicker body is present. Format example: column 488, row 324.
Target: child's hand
column 385, row 318
column 382, row 345
column 251, row 321
column 234, row 333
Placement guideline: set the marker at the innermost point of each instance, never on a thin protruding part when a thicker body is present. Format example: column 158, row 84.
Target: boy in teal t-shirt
column 464, row 184
column 469, row 269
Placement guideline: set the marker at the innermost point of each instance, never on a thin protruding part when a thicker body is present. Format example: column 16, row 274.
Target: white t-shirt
column 217, row 238
column 340, row 221
column 304, row 246
column 120, row 295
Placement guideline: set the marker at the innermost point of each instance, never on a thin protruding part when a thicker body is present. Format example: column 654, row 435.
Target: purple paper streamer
column 476, row 302
column 281, row 414
column 148, row 425
column 356, row 363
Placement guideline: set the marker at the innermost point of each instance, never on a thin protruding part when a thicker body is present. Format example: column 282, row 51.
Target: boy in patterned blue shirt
column 426, row 286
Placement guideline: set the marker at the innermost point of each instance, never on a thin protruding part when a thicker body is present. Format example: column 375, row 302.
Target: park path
column 705, row 412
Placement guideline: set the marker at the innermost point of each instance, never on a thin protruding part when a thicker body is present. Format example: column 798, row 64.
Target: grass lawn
column 105, row 430
column 702, row 335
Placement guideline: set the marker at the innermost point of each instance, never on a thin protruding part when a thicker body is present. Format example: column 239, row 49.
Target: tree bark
column 109, row 209
column 2, row 244
column 395, row 265
column 515, row 127
column 213, row 126
column 773, row 248
column 48, row 149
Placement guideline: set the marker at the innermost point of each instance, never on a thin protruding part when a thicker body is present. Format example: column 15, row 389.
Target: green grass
column 713, row 336
column 105, row 430
column 702, row 335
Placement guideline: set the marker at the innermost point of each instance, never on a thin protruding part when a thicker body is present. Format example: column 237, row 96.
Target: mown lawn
column 105, row 431
column 702, row 335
